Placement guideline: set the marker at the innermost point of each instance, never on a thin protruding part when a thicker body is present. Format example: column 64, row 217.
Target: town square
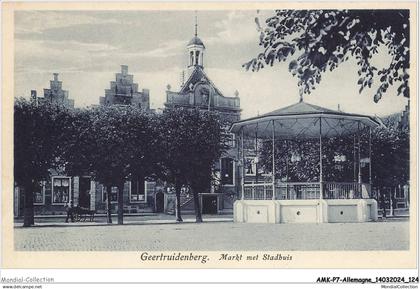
column 214, row 234
column 232, row 130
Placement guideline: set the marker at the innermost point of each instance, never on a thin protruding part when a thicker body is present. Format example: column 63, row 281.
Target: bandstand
column 271, row 197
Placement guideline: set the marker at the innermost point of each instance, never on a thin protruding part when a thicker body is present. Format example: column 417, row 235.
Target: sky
column 87, row 48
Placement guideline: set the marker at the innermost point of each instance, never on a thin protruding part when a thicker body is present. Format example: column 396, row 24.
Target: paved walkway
column 217, row 233
column 150, row 218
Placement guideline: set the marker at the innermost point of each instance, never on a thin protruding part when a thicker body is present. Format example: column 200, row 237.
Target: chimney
column 124, row 69
column 55, row 76
column 33, row 96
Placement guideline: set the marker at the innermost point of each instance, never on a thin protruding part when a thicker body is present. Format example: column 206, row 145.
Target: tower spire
column 196, row 24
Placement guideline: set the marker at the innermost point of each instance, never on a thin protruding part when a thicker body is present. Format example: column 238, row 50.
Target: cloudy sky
column 88, row 47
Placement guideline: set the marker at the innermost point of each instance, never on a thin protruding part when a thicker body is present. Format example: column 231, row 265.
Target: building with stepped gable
column 123, row 91
column 55, row 94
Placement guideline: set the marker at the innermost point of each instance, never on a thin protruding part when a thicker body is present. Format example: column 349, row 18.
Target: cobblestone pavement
column 215, row 235
column 131, row 219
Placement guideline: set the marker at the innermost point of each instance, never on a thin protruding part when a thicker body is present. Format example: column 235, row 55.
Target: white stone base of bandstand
column 305, row 211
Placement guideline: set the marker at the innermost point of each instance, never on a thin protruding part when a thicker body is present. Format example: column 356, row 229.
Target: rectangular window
column 39, row 194
column 227, row 171
column 250, row 166
column 137, row 192
column 61, row 190
column 114, row 194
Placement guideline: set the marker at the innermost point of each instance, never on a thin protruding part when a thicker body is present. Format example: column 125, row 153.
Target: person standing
column 69, row 210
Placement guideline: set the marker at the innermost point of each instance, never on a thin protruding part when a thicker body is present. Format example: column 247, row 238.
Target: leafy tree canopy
column 37, row 145
column 77, row 143
column 191, row 141
column 37, row 135
column 314, row 41
column 390, row 155
column 120, row 139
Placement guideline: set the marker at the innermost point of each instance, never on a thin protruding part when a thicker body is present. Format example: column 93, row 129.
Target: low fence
column 344, row 191
column 260, row 191
column 306, row 191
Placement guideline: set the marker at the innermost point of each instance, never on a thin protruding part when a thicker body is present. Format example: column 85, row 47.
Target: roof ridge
column 189, row 78
column 320, row 107
column 196, row 70
column 316, row 108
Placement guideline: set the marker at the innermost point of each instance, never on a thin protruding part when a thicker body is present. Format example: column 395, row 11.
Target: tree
column 191, row 142
column 118, row 144
column 77, row 143
column 144, row 140
column 297, row 160
column 37, row 134
column 174, row 151
column 207, row 141
column 390, row 155
column 315, row 41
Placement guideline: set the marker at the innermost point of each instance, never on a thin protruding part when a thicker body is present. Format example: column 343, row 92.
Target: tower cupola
column 195, row 50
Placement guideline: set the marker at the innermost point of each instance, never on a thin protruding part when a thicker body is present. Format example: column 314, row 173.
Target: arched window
column 191, row 57
column 197, row 56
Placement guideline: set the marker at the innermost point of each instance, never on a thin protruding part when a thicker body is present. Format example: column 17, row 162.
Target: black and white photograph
column 277, row 131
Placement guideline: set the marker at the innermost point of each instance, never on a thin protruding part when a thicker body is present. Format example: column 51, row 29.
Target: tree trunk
column 198, row 218
column 108, row 204
column 28, row 211
column 121, row 204
column 178, row 203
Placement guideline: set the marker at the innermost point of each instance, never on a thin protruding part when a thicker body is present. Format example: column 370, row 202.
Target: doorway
column 159, row 202
column 209, row 204
column 84, row 192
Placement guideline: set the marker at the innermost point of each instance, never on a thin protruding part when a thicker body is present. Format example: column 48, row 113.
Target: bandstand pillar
column 359, row 179
column 354, row 158
column 321, row 177
column 274, row 164
column 287, row 169
column 370, row 157
column 243, row 165
column 256, row 158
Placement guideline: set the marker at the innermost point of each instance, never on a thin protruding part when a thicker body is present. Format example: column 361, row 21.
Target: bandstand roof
column 302, row 120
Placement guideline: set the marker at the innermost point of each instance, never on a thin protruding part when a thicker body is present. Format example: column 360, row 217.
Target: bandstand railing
column 258, row 191
column 306, row 191
column 297, row 191
column 334, row 190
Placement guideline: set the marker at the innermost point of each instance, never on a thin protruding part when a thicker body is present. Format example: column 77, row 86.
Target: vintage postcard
column 209, row 135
